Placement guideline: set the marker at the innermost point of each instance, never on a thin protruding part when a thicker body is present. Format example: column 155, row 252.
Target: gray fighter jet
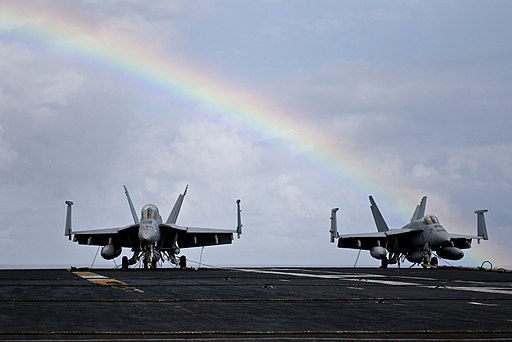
column 151, row 239
column 416, row 241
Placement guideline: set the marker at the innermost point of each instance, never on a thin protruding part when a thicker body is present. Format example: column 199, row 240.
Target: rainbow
column 126, row 58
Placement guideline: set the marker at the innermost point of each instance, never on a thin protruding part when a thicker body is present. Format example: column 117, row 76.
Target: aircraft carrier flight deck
column 256, row 304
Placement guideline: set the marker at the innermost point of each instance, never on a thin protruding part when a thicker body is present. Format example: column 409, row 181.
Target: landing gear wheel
column 434, row 262
column 124, row 263
column 384, row 263
column 183, row 262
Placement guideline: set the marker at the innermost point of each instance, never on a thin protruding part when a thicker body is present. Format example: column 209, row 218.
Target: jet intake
column 450, row 253
column 110, row 251
column 463, row 244
column 378, row 252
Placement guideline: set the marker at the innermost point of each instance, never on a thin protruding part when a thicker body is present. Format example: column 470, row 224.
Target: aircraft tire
column 434, row 262
column 384, row 263
column 124, row 264
column 183, row 262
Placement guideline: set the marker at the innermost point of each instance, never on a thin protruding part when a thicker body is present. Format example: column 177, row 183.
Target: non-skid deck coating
column 257, row 304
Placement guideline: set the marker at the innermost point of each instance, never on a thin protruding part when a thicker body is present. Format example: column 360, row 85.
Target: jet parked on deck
column 417, row 241
column 149, row 238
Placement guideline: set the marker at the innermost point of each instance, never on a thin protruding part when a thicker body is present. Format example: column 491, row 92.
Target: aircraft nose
column 147, row 234
column 442, row 238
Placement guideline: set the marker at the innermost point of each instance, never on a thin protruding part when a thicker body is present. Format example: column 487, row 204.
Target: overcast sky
column 295, row 107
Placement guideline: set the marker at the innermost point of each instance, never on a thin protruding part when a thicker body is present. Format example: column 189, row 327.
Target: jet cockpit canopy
column 430, row 219
column 150, row 212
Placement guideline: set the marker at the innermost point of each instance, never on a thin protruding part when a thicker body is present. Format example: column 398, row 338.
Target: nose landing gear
column 151, row 256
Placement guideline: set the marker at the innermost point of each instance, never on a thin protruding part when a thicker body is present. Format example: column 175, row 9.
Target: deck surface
column 322, row 304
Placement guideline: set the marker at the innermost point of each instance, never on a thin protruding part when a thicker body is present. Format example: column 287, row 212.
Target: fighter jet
column 417, row 241
column 149, row 238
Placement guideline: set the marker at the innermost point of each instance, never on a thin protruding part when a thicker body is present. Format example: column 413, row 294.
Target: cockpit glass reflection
column 430, row 219
column 150, row 211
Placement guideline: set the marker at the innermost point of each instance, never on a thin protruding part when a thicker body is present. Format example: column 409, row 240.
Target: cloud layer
column 411, row 100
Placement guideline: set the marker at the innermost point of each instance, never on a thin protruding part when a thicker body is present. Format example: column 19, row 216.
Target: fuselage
column 430, row 232
column 431, row 236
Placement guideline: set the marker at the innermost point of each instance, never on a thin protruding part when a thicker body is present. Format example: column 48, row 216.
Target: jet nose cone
column 147, row 234
column 442, row 238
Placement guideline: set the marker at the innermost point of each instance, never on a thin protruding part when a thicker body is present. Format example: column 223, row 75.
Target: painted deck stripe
column 106, row 281
column 89, row 275
column 377, row 279
column 482, row 304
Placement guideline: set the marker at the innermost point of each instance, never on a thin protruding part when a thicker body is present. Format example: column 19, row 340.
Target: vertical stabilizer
column 420, row 210
column 239, row 224
column 130, row 203
column 68, row 229
column 334, row 225
column 481, row 227
column 381, row 224
column 173, row 216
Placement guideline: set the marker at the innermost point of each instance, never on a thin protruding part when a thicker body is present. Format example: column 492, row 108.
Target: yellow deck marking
column 106, row 281
column 88, row 275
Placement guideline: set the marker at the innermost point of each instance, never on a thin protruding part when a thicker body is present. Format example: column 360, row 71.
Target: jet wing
column 126, row 236
column 195, row 236
column 393, row 240
column 362, row 241
column 463, row 241
column 462, row 236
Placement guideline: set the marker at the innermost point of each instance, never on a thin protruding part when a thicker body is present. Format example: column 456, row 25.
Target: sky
column 295, row 107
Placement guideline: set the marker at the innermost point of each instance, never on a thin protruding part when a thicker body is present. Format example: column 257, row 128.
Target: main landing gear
column 394, row 258
column 124, row 263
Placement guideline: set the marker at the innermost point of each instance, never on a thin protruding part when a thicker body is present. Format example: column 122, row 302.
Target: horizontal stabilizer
column 381, row 224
